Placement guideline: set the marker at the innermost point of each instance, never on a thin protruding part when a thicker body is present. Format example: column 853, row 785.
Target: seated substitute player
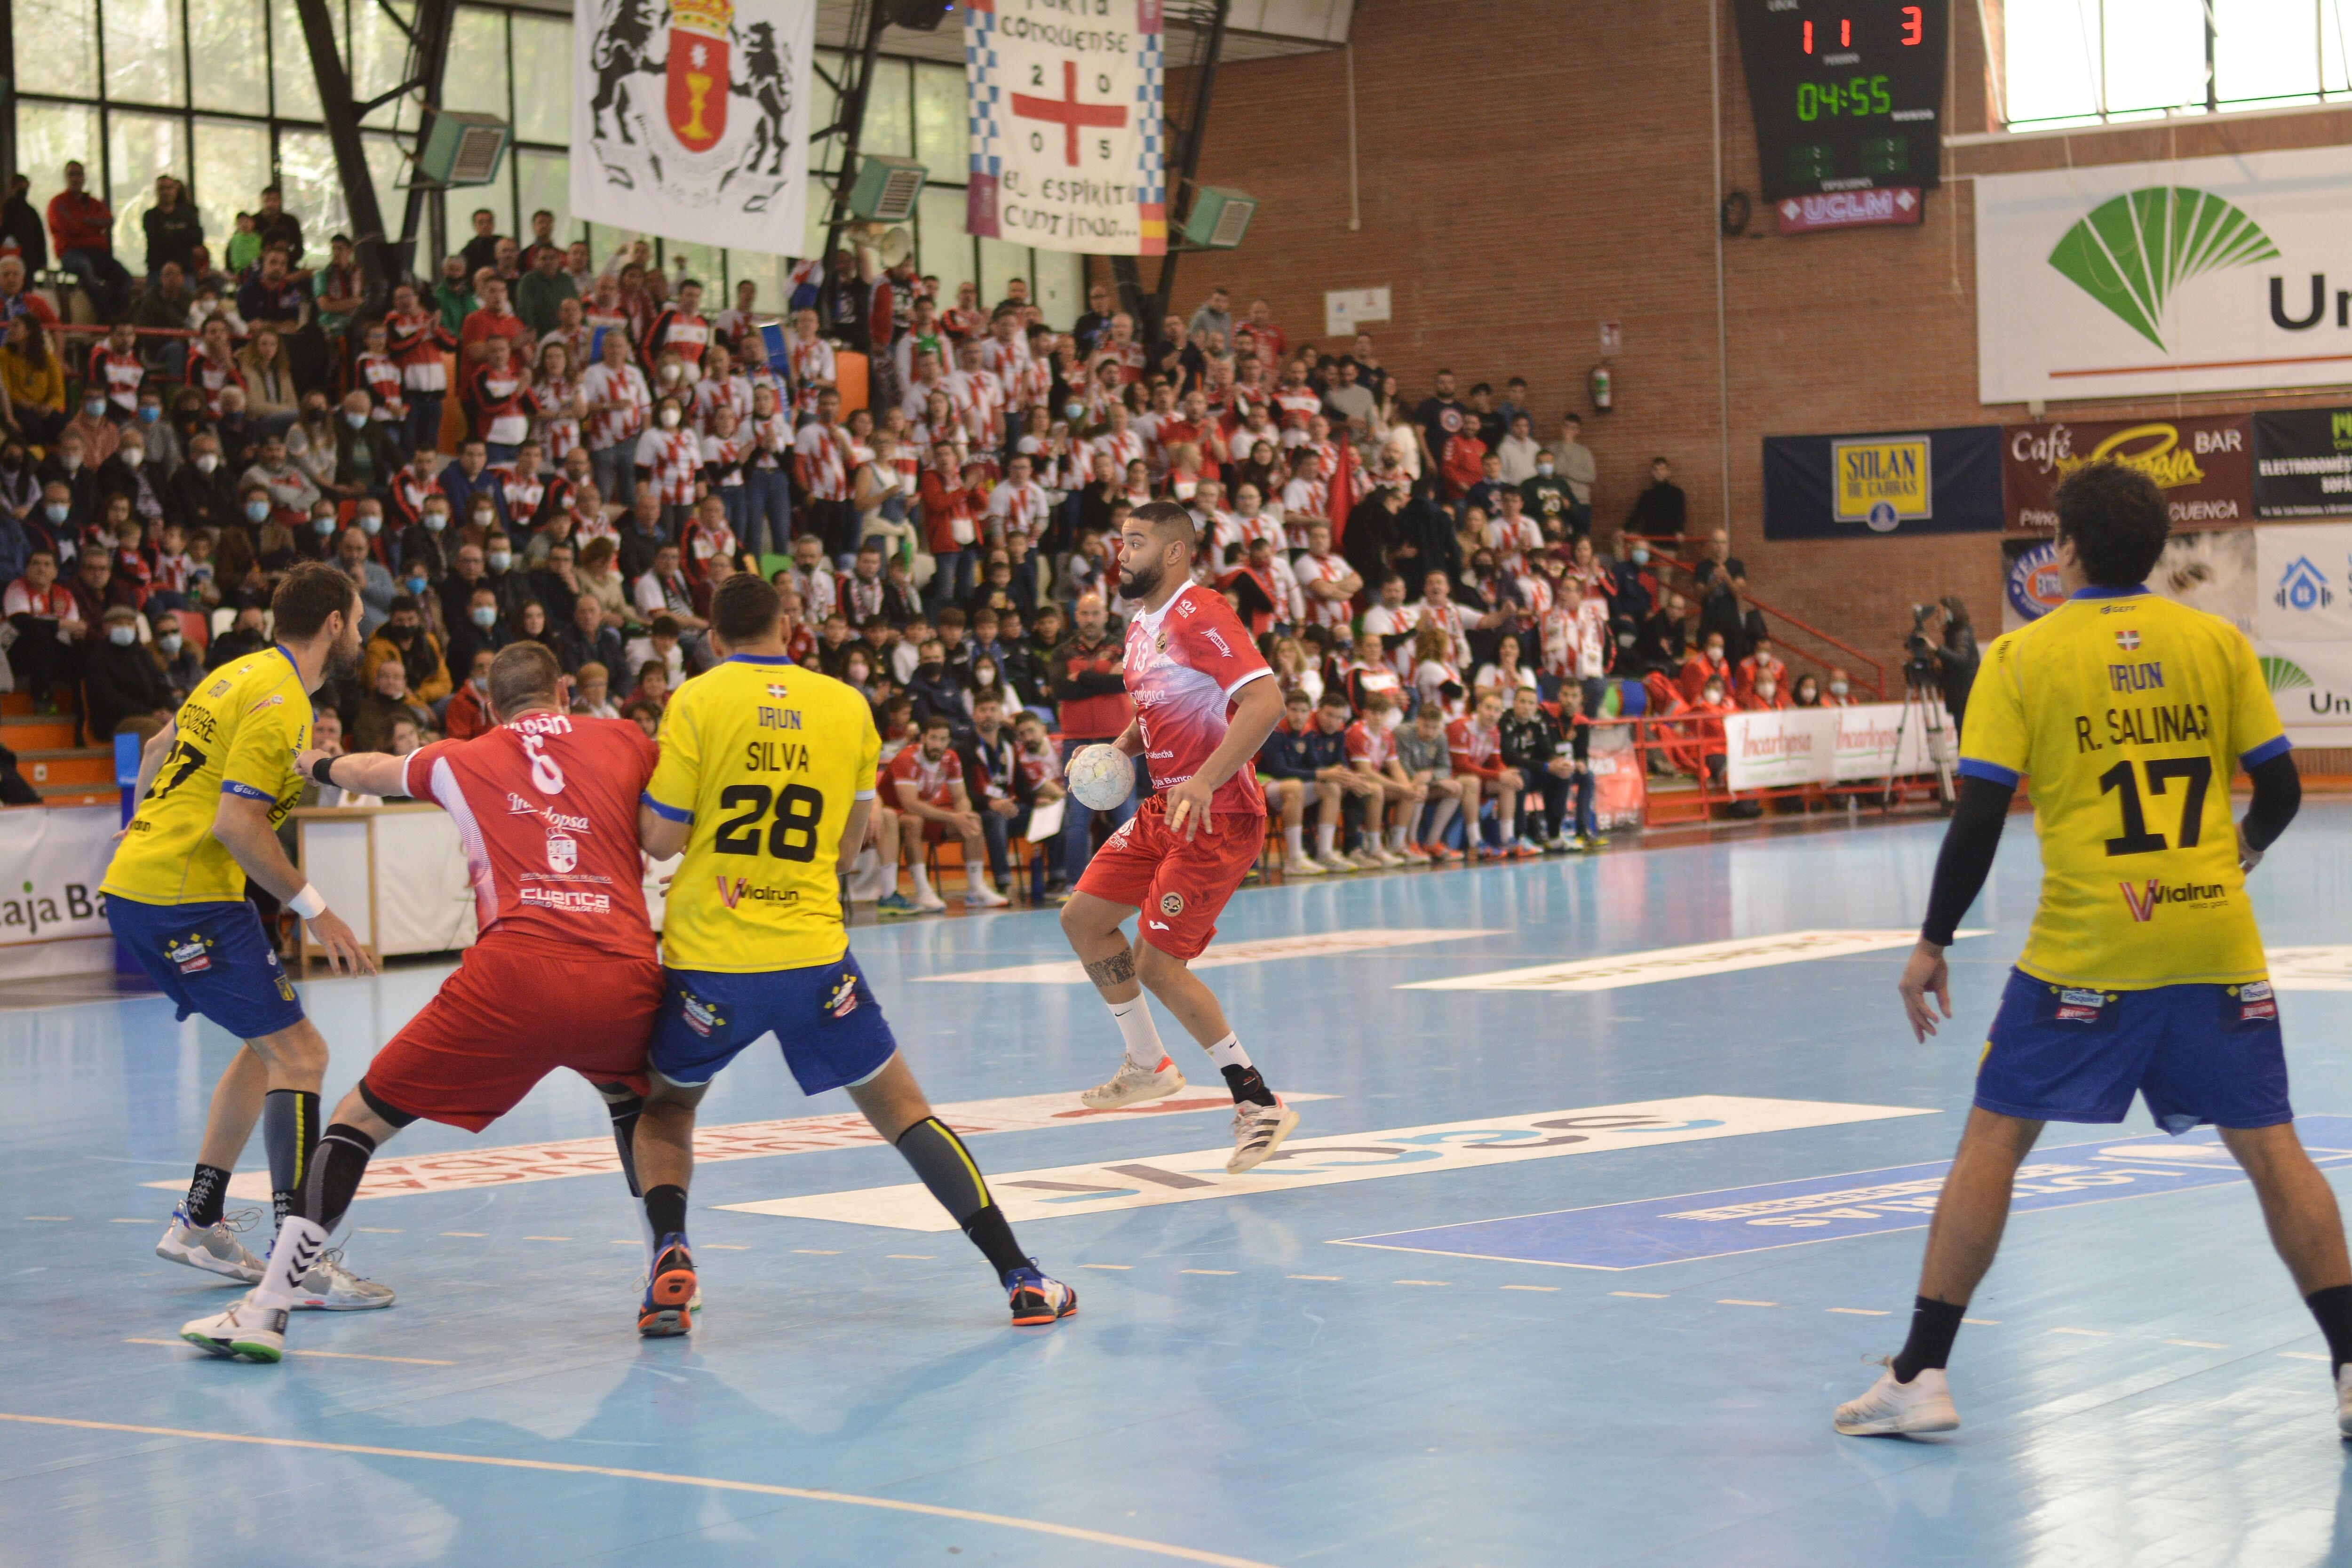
column 2144, row 971
column 928, row 779
column 1204, row 703
column 222, row 778
column 563, row 973
column 765, row 783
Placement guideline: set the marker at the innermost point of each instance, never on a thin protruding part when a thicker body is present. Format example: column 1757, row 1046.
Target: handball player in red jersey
column 563, row 973
column 1204, row 703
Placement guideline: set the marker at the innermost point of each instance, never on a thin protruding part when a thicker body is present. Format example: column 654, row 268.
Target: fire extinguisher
column 1599, row 384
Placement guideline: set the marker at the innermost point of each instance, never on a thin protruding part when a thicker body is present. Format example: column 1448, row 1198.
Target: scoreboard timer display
column 1848, row 94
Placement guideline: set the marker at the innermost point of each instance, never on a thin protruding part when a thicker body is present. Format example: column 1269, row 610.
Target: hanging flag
column 689, row 118
column 1065, row 125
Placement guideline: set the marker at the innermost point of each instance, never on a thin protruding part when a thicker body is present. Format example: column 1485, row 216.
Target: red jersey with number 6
column 1185, row 662
column 546, row 807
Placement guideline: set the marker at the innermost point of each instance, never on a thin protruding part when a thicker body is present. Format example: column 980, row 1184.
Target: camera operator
column 1951, row 664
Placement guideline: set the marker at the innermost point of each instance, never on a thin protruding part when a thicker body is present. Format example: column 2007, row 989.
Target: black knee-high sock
column 665, row 1210
column 205, row 1191
column 336, row 1167
column 1934, row 1326
column 948, row 1169
column 2333, row 1307
column 290, row 1131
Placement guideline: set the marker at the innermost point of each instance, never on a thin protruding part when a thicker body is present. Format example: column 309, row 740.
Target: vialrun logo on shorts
column 2142, row 901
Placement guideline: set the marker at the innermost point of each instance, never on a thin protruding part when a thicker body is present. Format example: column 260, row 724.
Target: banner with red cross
column 1066, row 134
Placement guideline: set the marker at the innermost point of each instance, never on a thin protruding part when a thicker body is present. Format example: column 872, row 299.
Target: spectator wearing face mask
column 246, row 637
column 478, row 628
column 202, row 493
column 1706, row 664
column 1761, row 664
column 183, row 671
column 468, row 713
column 425, row 543
column 120, row 677
column 1838, row 690
column 366, row 459
column 404, row 640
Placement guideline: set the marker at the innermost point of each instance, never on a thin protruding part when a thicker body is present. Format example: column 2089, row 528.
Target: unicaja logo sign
column 2303, row 586
column 2131, row 253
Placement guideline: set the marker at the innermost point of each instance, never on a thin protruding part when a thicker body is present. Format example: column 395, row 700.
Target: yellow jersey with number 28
column 2129, row 713
column 238, row 733
column 765, row 759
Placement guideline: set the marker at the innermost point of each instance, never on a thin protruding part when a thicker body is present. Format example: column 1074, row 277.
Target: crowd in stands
column 937, row 485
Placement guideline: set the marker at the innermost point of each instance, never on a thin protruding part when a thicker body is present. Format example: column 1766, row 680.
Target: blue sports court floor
column 1725, row 1168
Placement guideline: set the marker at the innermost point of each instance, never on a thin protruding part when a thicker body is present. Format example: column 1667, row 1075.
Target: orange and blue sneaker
column 670, row 1293
column 1036, row 1299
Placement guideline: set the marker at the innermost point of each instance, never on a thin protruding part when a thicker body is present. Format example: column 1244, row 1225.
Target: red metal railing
column 1857, row 661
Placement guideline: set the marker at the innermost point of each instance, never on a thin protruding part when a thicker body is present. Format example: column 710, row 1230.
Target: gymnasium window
column 220, row 94
column 2092, row 62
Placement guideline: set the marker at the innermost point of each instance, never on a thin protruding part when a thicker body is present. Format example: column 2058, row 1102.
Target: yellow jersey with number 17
column 237, row 735
column 2129, row 713
column 766, row 760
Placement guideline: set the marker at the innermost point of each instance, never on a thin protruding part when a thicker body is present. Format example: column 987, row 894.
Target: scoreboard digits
column 1848, row 94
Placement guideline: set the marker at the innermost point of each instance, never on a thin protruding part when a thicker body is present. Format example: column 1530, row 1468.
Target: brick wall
column 1527, row 172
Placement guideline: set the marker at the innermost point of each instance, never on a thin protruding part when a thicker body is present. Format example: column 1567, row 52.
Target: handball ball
column 1102, row 777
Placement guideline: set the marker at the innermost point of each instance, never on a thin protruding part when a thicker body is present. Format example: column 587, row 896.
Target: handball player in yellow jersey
column 2144, row 972
column 214, row 784
column 765, row 781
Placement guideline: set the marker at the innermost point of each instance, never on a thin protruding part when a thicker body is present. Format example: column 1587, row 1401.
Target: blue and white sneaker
column 895, row 907
column 215, row 1247
column 1036, row 1299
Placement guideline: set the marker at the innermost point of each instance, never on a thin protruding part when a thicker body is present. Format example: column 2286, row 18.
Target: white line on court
column 1322, row 944
column 806, row 1494
column 1679, row 963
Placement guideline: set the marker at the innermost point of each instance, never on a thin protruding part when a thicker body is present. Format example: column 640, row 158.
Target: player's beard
column 1140, row 582
column 342, row 663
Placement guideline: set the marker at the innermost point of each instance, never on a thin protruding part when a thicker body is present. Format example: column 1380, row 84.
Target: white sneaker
column 1300, row 866
column 330, row 1287
column 930, row 903
column 244, row 1332
column 214, row 1248
column 981, row 896
column 1335, row 863
column 2344, row 1400
column 1258, row 1131
column 1132, row 1085
column 1368, row 859
column 1388, row 856
column 1923, row 1405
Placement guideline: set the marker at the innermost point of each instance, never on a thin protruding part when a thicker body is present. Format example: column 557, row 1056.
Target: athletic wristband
column 310, row 903
column 323, row 772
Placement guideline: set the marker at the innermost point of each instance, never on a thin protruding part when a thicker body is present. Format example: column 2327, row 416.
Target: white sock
column 1506, row 830
column 1294, row 839
column 1141, row 1035
column 1228, row 1053
column 922, row 880
column 300, row 1242
column 1324, row 833
column 1396, row 837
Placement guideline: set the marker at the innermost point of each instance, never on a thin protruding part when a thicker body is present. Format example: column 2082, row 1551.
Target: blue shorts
column 824, row 1017
column 2196, row 1053
column 212, row 959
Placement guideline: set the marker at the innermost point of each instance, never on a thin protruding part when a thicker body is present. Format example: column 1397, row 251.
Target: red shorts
column 514, row 1011
column 1180, row 885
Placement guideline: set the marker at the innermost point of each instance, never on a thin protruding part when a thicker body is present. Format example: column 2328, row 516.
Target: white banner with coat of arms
column 1066, row 134
column 689, row 118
